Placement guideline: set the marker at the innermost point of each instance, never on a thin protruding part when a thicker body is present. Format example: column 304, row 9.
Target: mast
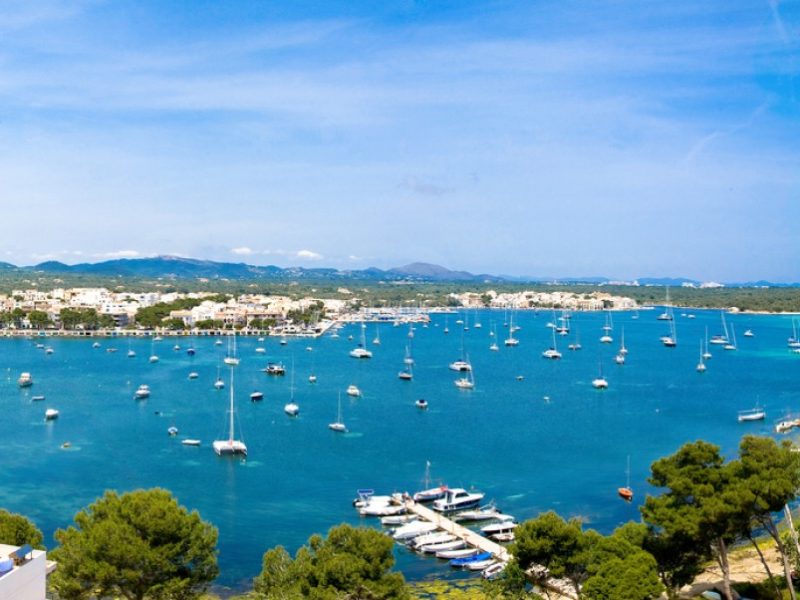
column 230, row 433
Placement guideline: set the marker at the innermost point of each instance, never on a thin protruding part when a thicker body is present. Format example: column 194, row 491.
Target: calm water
column 530, row 454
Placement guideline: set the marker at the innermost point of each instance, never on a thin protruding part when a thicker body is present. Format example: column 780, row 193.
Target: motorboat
column 142, row 392
column 626, row 493
column 275, row 369
column 50, row 414
column 413, row 529
column 494, row 570
column 600, row 383
column 25, row 380
column 172, row 431
column 467, row 560
column 434, row 537
column 444, row 546
column 219, row 383
column 291, row 409
column 261, row 350
column 462, row 553
column 312, row 379
column 749, row 333
column 752, row 414
column 500, row 527
column 194, row 375
column 190, row 442
column 397, row 520
column 421, row 403
column 619, row 359
column 352, row 390
column 484, row 513
column 37, row 398
column 256, row 396
column 153, row 358
column 457, row 499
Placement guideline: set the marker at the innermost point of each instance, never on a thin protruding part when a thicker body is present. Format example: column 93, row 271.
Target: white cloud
column 242, row 251
column 309, row 255
column 119, row 254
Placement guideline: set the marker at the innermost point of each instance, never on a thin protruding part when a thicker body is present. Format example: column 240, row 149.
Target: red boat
column 625, row 493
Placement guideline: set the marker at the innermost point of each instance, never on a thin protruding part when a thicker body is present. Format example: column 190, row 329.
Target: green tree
column 17, row 530
column 39, row 319
column 352, row 562
column 701, row 503
column 770, row 476
column 557, row 544
column 138, row 545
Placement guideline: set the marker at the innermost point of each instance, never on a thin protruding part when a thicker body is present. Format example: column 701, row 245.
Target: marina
column 298, row 474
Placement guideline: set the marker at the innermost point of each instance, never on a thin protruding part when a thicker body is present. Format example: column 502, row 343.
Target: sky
column 538, row 138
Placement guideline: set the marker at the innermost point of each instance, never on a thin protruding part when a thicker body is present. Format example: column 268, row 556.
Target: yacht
column 752, row 414
column 25, row 380
column 275, row 369
column 231, row 359
column 190, row 442
column 142, row 392
column 457, row 499
column 466, row 383
column 231, row 446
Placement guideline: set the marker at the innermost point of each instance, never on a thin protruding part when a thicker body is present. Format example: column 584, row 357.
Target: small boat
column 751, row 414
column 462, row 553
column 158, row 338
column 153, row 358
column 261, row 350
column 40, row 346
column 493, row 571
column 484, row 513
column 176, row 347
column 433, row 539
column 406, row 374
column 50, row 414
column 191, row 351
column 600, row 383
column 25, row 380
column 701, row 366
column 421, row 403
column 291, row 409
column 172, row 431
column 507, row 526
column 460, row 365
column 256, row 396
column 428, row 493
column 457, row 499
column 190, row 442
column 312, row 379
column 37, row 398
column 48, row 350
column 96, row 345
column 626, row 493
column 352, row 390
column 283, row 341
column 142, row 392
column 414, row 529
column 219, row 383
column 361, row 351
column 338, row 425
column 110, row 350
column 397, row 520
column 194, row 375
column 66, row 445
column 463, row 562
column 218, row 343
column 275, row 369
column 749, row 333
column 131, row 354
column 552, row 352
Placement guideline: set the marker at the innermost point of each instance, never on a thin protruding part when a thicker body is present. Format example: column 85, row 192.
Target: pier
column 470, row 537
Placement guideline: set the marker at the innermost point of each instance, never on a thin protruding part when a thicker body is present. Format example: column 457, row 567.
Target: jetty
column 470, row 537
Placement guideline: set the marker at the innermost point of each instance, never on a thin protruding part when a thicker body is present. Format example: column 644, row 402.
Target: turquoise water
column 530, row 454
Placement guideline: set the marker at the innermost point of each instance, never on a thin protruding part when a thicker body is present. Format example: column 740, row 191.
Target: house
column 23, row 573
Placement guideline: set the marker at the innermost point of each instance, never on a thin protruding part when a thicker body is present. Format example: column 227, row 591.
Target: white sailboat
column 620, row 357
column 467, row 382
column 511, row 340
column 153, row 356
column 701, row 366
column 361, row 351
column 338, row 425
column 731, row 345
column 671, row 340
column 576, row 345
column 722, row 338
column 706, row 354
column 377, row 339
column 552, row 352
column 231, row 359
column 291, row 408
column 408, row 359
column 607, row 328
column 600, row 382
column 231, row 446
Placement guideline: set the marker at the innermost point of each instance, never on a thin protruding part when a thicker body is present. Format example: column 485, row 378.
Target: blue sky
column 564, row 138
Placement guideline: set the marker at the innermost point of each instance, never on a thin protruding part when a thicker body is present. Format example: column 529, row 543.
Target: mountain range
column 176, row 267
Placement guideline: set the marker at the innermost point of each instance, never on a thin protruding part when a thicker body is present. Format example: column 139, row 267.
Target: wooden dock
column 470, row 537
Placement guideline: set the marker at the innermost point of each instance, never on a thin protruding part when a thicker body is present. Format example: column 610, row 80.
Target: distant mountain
column 176, row 267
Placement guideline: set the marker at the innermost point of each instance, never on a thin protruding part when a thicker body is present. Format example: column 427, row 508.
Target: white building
column 23, row 573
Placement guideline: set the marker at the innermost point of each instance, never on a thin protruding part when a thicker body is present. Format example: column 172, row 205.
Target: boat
column 466, row 383
column 352, row 390
column 361, row 350
column 131, row 352
column 749, row 333
column 607, row 328
column 338, row 425
column 457, row 499
column 706, row 354
column 291, row 408
column 460, row 365
column 463, row 562
column 377, row 339
column 142, row 392
column 191, row 351
column 312, row 378
column 494, row 570
column 48, row 350
column 153, row 358
column 752, row 414
column 37, row 398
column 483, row 513
column 413, row 529
column 219, row 383
column 451, row 554
column 421, row 403
column 172, row 431
column 500, row 527
column 256, row 396
column 50, row 414
column 261, row 350
column 25, row 380
column 786, row 425
column 442, row 546
column 701, row 366
column 405, row 375
column 600, row 382
column 397, row 520
column 670, row 340
column 552, row 352
column 275, row 369
column 231, row 446
column 722, row 338
column 511, row 340
column 408, row 359
column 96, row 345
column 626, row 493
column 218, row 343
column 66, row 445
column 231, row 359
column 731, row 345
column 623, row 351
column 667, row 314
column 194, row 375
column 428, row 493
column 576, row 345
column 190, row 442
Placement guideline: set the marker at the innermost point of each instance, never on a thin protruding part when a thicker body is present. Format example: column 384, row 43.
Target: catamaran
column 231, row 446
column 361, row 351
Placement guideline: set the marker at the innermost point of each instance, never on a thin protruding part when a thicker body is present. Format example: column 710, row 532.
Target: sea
column 533, row 434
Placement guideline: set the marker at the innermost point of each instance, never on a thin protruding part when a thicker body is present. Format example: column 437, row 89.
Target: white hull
column 229, row 447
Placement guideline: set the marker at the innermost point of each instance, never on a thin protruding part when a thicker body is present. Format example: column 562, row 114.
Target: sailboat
column 671, row 340
column 338, row 425
column 620, row 357
column 291, row 409
column 732, row 344
column 552, row 352
column 626, row 493
column 231, row 446
column 667, row 314
column 493, row 334
column 463, row 363
column 377, row 339
column 721, row 339
column 701, row 366
column 428, row 493
column 576, row 345
column 600, row 382
column 153, row 355
column 446, row 328
column 407, row 374
column 467, row 382
column 606, row 337
column 361, row 351
column 706, row 354
column 231, row 359
column 511, row 340
column 131, row 353
column 219, row 383
column 408, row 359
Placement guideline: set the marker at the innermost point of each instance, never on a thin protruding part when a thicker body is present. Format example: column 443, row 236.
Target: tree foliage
column 352, row 562
column 17, row 530
column 138, row 545
column 153, row 316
